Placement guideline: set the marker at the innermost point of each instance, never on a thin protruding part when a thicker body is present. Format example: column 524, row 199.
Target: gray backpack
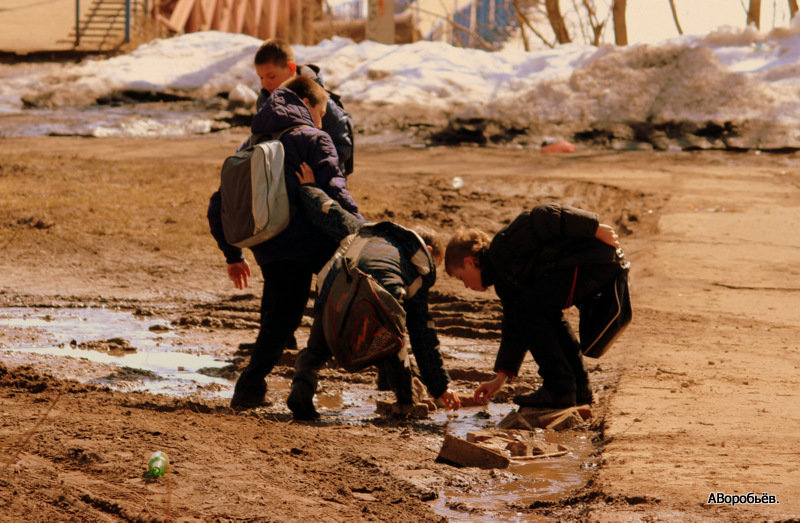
column 255, row 205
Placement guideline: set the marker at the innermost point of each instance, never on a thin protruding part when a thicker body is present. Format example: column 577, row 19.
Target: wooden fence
column 292, row 20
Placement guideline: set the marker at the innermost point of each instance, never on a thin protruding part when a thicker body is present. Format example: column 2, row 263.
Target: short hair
column 306, row 88
column 274, row 51
column 463, row 244
column 431, row 239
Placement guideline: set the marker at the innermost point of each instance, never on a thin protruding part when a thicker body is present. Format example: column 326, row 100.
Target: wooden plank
column 309, row 10
column 166, row 23
column 239, row 12
column 195, row 18
column 222, row 16
column 462, row 452
column 296, row 21
column 180, row 15
column 207, row 9
column 540, row 456
column 282, row 28
column 267, row 27
column 253, row 17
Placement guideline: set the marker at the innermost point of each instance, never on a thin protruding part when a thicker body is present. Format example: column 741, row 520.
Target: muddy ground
column 699, row 396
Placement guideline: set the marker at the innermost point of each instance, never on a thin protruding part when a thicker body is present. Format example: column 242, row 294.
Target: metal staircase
column 103, row 26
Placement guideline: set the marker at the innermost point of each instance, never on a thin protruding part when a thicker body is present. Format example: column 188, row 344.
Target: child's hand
column 607, row 234
column 488, row 389
column 450, row 400
column 238, row 273
column 305, row 174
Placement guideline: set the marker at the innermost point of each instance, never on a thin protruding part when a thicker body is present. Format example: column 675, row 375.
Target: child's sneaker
column 249, row 394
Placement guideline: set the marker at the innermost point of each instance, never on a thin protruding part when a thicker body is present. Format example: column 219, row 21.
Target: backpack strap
column 351, row 246
column 413, row 243
column 322, row 275
column 257, row 138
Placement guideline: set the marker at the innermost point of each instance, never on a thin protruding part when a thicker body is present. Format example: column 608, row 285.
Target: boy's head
column 461, row 259
column 434, row 242
column 312, row 94
column 274, row 62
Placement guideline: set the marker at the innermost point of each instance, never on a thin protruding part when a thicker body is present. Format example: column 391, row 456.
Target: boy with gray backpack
column 373, row 290
column 288, row 259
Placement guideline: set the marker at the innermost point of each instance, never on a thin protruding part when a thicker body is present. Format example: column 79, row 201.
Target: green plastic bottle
column 158, row 464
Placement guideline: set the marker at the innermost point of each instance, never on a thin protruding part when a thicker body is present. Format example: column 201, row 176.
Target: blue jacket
column 301, row 240
column 336, row 122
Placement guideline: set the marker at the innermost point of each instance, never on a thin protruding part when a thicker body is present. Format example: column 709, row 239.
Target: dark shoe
column 544, row 399
column 249, row 394
column 301, row 402
column 583, row 396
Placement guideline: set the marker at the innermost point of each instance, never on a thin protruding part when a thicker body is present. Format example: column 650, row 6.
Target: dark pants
column 393, row 368
column 540, row 321
column 286, row 290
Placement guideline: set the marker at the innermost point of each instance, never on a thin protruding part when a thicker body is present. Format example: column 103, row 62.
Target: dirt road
column 699, row 396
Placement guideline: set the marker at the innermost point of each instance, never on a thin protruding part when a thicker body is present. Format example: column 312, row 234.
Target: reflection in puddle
column 148, row 355
column 521, row 485
column 542, row 480
column 145, row 350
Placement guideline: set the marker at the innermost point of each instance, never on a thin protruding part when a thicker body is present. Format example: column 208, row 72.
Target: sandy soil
column 699, row 396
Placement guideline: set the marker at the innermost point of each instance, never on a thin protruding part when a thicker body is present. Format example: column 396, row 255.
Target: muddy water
column 147, row 354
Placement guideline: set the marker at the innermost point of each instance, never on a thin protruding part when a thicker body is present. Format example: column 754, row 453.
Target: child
column 274, row 63
column 545, row 261
column 288, row 260
column 394, row 258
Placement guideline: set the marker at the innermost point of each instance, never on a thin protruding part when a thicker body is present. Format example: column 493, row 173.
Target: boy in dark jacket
column 274, row 63
column 545, row 261
column 396, row 258
column 288, row 260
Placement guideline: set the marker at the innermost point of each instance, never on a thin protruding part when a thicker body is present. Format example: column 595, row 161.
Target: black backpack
column 604, row 316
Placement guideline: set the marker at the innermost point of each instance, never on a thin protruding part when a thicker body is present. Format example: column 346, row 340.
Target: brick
column 518, row 448
column 546, row 418
column 514, row 420
column 390, row 408
column 462, row 452
column 567, row 420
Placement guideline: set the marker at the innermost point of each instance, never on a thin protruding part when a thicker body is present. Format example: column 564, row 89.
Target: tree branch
column 483, row 43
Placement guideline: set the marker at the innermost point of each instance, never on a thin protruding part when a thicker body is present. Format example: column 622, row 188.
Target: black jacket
column 548, row 236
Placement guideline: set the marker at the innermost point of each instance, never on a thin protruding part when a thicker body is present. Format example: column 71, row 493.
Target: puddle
column 544, row 480
column 146, row 354
column 102, row 122
column 520, row 485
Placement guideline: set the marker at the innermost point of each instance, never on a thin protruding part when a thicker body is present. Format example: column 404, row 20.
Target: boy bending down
column 545, row 261
column 394, row 258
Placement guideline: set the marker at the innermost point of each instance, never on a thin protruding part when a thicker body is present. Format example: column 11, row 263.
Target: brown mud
column 698, row 396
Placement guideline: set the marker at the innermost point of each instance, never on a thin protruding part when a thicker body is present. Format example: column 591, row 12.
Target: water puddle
column 143, row 353
column 103, row 122
column 523, row 484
